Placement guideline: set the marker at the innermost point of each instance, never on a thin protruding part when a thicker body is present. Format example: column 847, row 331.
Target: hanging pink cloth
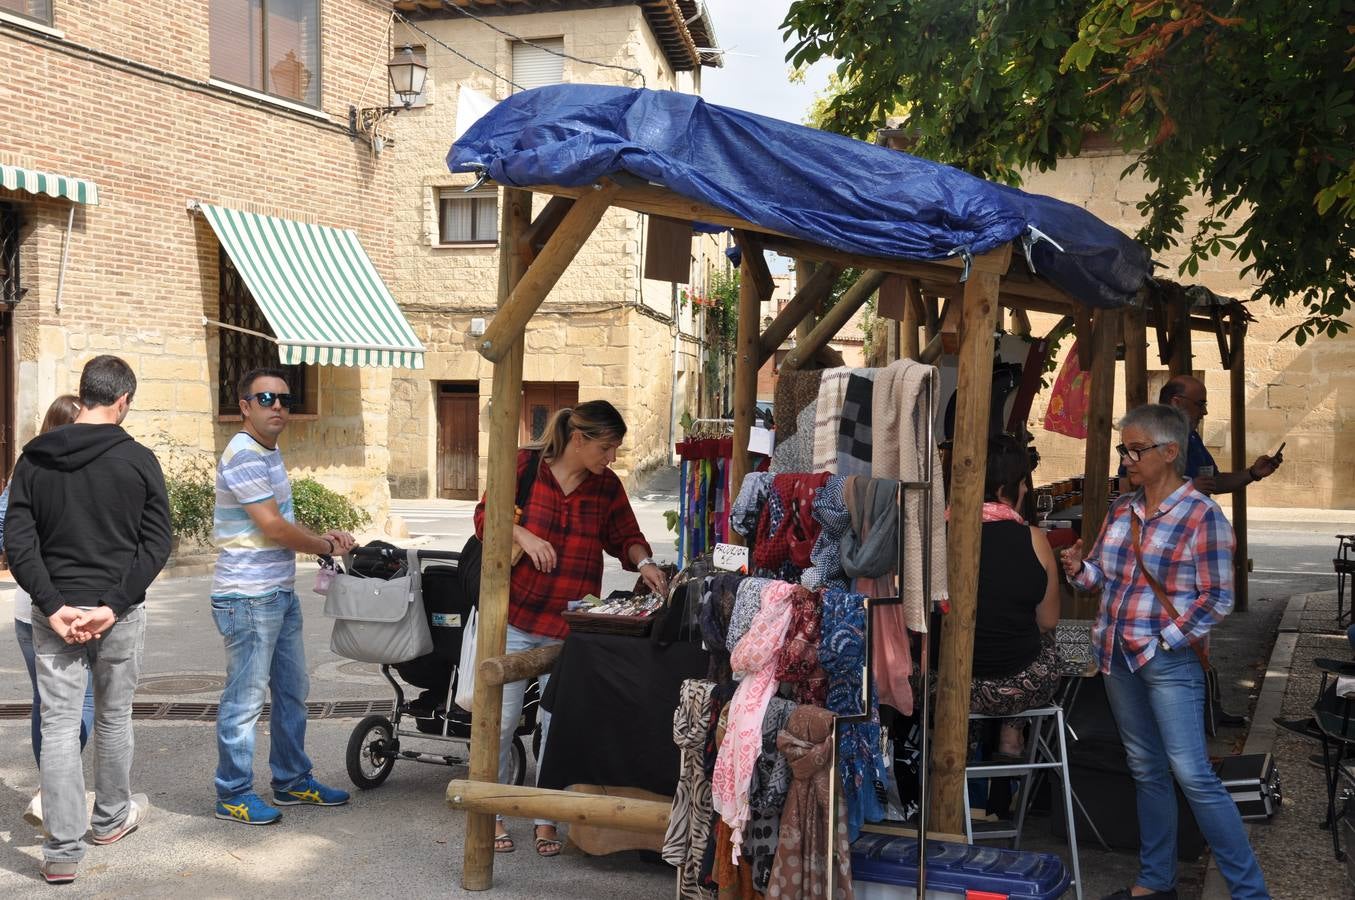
column 1070, row 401
column 753, row 660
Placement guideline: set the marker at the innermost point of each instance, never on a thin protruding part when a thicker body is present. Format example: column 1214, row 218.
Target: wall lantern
column 407, row 72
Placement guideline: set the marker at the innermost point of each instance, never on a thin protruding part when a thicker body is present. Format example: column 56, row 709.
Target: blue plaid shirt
column 1188, row 546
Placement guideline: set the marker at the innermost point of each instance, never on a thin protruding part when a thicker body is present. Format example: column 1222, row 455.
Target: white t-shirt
column 23, row 605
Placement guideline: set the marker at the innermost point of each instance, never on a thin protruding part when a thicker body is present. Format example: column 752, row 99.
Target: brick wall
column 142, row 271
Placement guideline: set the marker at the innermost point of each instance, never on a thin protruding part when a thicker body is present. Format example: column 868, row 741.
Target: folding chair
column 1344, row 564
column 1333, row 714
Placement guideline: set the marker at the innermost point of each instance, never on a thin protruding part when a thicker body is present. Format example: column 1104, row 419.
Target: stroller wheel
column 371, row 752
column 517, row 760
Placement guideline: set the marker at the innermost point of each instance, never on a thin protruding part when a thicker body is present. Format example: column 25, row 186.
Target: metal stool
column 1041, row 756
column 1344, row 564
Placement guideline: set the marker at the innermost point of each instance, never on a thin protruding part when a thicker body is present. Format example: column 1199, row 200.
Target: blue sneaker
column 248, row 809
column 310, row 792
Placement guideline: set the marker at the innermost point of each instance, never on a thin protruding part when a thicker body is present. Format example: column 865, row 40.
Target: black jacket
column 88, row 519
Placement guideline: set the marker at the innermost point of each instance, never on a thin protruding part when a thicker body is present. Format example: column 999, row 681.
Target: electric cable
column 435, row 39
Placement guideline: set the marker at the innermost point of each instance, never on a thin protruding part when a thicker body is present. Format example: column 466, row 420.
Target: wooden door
column 458, row 446
column 540, row 400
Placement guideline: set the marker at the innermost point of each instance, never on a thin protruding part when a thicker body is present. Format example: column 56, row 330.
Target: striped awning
column 318, row 290
column 77, row 190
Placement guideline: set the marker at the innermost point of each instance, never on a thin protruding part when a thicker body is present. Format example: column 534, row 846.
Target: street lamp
column 407, row 73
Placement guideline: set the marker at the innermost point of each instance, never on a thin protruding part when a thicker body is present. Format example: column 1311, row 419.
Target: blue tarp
column 832, row 190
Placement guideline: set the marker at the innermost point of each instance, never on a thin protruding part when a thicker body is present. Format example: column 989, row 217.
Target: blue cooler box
column 884, row 867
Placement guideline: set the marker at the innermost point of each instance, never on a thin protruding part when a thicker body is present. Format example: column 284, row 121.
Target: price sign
column 731, row 558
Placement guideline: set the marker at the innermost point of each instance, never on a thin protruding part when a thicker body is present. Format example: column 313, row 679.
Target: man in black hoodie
column 87, row 532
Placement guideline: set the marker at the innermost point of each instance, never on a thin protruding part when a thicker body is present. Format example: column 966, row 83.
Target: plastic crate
column 884, row 867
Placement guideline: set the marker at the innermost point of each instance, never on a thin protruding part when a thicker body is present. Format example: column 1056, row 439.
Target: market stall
column 819, row 197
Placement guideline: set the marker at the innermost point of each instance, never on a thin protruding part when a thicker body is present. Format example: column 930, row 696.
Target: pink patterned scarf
column 754, row 660
column 999, row 512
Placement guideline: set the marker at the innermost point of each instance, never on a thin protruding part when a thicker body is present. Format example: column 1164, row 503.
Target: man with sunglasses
column 256, row 609
column 1188, row 394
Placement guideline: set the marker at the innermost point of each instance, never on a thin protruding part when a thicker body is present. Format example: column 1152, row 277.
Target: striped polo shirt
column 249, row 564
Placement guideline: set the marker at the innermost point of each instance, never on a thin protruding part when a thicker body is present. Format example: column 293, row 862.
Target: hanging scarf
column 843, row 656
column 767, row 794
column 997, row 512
column 830, row 511
column 787, row 529
column 805, row 844
column 716, row 608
column 798, row 661
column 718, row 709
column 747, row 509
column 748, row 600
column 689, row 823
column 754, row 659
column 871, row 555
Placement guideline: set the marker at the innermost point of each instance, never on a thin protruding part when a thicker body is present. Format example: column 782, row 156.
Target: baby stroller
column 450, row 591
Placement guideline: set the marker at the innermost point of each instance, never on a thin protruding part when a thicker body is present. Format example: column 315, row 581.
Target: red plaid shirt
column 595, row 517
column 1188, row 546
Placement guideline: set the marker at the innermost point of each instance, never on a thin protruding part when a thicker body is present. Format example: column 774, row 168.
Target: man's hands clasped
column 80, row 626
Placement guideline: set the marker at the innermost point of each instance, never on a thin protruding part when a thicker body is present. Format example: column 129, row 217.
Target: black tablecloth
column 611, row 699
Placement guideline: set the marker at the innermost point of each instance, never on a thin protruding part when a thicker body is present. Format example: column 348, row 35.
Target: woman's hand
column 1072, row 559
column 538, row 550
column 654, row 577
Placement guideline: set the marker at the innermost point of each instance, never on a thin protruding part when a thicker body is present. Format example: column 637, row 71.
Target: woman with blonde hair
column 63, row 411
column 576, row 509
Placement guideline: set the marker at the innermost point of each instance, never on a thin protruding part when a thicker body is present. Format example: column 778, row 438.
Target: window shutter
column 534, row 67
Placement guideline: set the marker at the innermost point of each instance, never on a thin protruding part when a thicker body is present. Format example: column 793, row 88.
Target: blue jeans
column 23, row 633
column 1160, row 712
column 513, row 697
column 264, row 654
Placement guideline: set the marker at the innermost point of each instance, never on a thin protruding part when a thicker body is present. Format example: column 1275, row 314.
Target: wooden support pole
column 747, row 361
column 801, row 310
column 600, row 810
column 969, row 462
column 1182, row 361
column 912, row 319
column 501, row 670
column 1100, row 422
column 750, row 247
column 1237, row 384
column 543, row 226
column 578, row 223
column 832, row 322
column 477, row 870
column 1135, row 327
column 1082, row 328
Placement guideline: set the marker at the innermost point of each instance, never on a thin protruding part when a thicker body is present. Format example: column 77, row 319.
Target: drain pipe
column 673, row 402
column 65, row 252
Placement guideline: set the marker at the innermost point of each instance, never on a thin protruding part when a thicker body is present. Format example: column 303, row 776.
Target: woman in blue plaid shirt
column 1168, row 532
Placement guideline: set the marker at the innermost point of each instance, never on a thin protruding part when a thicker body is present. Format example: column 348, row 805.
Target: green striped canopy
column 318, row 290
column 77, row 190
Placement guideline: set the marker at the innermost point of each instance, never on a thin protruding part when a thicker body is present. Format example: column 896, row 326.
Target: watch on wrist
column 647, row 561
column 1162, row 642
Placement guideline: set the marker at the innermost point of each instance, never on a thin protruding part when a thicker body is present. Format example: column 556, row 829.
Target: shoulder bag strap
column 525, row 485
column 1158, row 590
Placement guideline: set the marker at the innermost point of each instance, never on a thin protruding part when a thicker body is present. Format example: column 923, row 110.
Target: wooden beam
column 802, row 306
column 1135, row 327
column 477, row 870
column 750, row 246
column 969, row 461
column 1237, row 384
column 520, row 666
column 747, row 361
column 1182, row 360
column 578, row 223
column 912, row 318
column 1082, row 328
column 602, row 810
column 1221, row 333
column 1100, row 421
column 543, row 226
column 833, row 321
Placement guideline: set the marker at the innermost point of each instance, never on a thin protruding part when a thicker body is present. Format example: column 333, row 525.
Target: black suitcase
column 1253, row 781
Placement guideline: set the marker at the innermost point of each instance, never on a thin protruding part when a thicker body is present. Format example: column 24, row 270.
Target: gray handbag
column 379, row 620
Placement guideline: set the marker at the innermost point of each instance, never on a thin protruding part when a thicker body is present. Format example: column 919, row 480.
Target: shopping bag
column 378, row 620
column 465, row 670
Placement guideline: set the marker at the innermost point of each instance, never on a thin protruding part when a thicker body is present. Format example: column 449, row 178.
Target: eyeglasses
column 268, row 398
column 1134, row 454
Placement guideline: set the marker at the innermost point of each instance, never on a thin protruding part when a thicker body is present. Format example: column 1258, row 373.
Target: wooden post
column 832, row 322
column 1237, row 383
column 969, row 462
column 912, row 314
column 603, row 810
column 1183, row 360
column 536, row 282
column 747, row 361
column 1135, row 326
column 805, row 270
column 1096, row 463
column 800, row 313
column 477, row 871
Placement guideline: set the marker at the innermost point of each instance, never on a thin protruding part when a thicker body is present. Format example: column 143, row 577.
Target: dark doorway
column 458, row 440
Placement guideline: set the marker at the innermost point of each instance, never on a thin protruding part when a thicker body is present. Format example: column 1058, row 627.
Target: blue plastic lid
column 957, row 868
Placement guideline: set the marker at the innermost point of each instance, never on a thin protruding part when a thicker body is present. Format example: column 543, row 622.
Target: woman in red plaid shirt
column 1164, row 564
column 577, row 509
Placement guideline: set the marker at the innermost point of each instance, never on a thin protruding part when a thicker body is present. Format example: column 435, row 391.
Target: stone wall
column 1304, row 396
column 143, row 271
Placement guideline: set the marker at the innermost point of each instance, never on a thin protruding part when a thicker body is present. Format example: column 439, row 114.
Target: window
column 534, row 65
column 240, row 352
column 272, row 46
column 37, row 10
column 468, row 218
column 11, row 289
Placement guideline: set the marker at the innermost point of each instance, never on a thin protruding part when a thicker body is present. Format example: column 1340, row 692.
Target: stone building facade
column 159, row 104
column 605, row 331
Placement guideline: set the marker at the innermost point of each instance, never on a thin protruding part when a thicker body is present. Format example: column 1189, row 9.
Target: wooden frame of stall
column 535, row 252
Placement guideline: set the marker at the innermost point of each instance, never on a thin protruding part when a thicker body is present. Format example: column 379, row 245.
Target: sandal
column 503, row 843
column 546, row 846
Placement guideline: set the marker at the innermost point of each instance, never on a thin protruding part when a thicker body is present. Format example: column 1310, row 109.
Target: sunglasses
column 268, row 398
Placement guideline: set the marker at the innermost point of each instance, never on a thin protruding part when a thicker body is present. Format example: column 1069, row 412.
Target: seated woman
column 1015, row 667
